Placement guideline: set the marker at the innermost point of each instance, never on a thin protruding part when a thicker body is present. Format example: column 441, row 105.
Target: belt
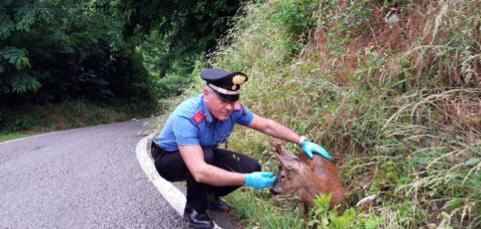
column 155, row 150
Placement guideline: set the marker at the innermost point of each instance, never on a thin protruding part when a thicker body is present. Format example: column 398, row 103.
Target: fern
column 6, row 26
column 21, row 83
column 28, row 14
column 15, row 56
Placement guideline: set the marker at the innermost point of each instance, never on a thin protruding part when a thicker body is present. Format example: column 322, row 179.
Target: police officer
column 187, row 147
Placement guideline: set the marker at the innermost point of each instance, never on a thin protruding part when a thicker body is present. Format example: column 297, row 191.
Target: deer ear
column 283, row 153
column 287, row 159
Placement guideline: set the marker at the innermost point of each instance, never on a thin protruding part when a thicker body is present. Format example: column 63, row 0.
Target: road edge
column 171, row 194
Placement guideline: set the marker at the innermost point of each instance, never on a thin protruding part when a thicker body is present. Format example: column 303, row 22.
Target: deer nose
column 273, row 192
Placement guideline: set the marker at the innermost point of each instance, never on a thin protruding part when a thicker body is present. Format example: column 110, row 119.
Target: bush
column 296, row 16
column 323, row 217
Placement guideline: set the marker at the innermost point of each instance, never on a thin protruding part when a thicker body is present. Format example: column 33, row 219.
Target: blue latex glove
column 310, row 147
column 260, row 180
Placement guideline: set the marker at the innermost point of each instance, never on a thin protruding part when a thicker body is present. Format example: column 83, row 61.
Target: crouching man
column 187, row 147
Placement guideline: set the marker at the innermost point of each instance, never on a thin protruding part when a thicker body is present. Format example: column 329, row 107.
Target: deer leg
column 306, row 216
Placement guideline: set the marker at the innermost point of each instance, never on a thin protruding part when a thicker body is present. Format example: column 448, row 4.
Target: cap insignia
column 238, row 80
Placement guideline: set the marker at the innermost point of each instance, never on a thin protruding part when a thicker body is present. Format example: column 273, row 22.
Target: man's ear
column 206, row 94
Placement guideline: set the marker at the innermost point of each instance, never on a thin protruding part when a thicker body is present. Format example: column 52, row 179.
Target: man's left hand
column 309, row 148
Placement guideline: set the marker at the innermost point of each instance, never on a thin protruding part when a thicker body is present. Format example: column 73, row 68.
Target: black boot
column 216, row 204
column 197, row 220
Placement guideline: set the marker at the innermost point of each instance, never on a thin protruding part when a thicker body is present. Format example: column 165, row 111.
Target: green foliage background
column 99, row 53
column 55, row 50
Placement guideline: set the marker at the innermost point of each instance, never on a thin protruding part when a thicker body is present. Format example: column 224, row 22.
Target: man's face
column 219, row 108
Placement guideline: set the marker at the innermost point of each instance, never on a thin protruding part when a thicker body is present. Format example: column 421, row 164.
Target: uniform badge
column 198, row 117
column 237, row 106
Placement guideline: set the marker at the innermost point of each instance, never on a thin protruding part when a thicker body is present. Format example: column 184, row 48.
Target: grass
column 26, row 120
column 260, row 213
column 12, row 136
column 397, row 104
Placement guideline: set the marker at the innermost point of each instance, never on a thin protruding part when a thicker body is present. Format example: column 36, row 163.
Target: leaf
column 6, row 26
column 373, row 222
column 44, row 12
column 16, row 56
column 25, row 17
column 453, row 204
column 472, row 161
column 22, row 82
column 5, row 2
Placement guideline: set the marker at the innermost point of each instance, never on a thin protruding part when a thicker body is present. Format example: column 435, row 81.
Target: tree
column 188, row 28
column 52, row 50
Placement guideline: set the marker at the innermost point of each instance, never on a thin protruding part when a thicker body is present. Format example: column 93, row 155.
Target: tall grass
column 397, row 102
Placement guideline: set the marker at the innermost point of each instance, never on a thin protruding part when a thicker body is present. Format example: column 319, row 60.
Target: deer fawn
column 307, row 178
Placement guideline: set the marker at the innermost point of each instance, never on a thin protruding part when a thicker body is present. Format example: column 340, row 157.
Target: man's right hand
column 309, row 147
column 260, row 180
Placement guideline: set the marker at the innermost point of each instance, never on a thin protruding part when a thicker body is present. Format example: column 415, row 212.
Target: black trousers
column 171, row 166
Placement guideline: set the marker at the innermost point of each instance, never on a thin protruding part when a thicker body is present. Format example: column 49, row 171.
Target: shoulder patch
column 237, row 106
column 199, row 116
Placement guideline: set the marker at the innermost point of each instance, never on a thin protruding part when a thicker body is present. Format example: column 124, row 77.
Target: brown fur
column 307, row 178
column 325, row 179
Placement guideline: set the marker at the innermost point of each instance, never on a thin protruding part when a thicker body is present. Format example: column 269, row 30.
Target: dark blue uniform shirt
column 192, row 124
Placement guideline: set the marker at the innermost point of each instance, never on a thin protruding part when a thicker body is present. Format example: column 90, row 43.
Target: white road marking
column 171, row 194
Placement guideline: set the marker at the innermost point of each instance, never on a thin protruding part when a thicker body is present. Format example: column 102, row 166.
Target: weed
column 323, row 217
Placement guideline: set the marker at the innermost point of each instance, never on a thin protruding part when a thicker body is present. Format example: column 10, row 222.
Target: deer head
column 305, row 177
column 291, row 171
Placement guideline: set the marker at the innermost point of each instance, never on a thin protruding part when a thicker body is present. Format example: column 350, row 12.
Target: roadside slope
column 392, row 89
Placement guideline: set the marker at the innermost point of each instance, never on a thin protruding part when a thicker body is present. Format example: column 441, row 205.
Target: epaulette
column 199, row 116
column 238, row 106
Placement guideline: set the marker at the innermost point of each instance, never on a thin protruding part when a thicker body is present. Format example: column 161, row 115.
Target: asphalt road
column 81, row 178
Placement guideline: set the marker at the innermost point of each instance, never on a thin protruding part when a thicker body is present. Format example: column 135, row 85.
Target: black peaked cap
column 226, row 84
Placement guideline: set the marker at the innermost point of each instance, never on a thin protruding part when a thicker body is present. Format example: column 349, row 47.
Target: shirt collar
column 208, row 115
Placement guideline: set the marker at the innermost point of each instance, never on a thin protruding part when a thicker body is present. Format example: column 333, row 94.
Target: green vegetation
column 118, row 58
column 10, row 136
column 391, row 88
column 323, row 217
column 52, row 51
column 66, row 115
column 182, row 29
